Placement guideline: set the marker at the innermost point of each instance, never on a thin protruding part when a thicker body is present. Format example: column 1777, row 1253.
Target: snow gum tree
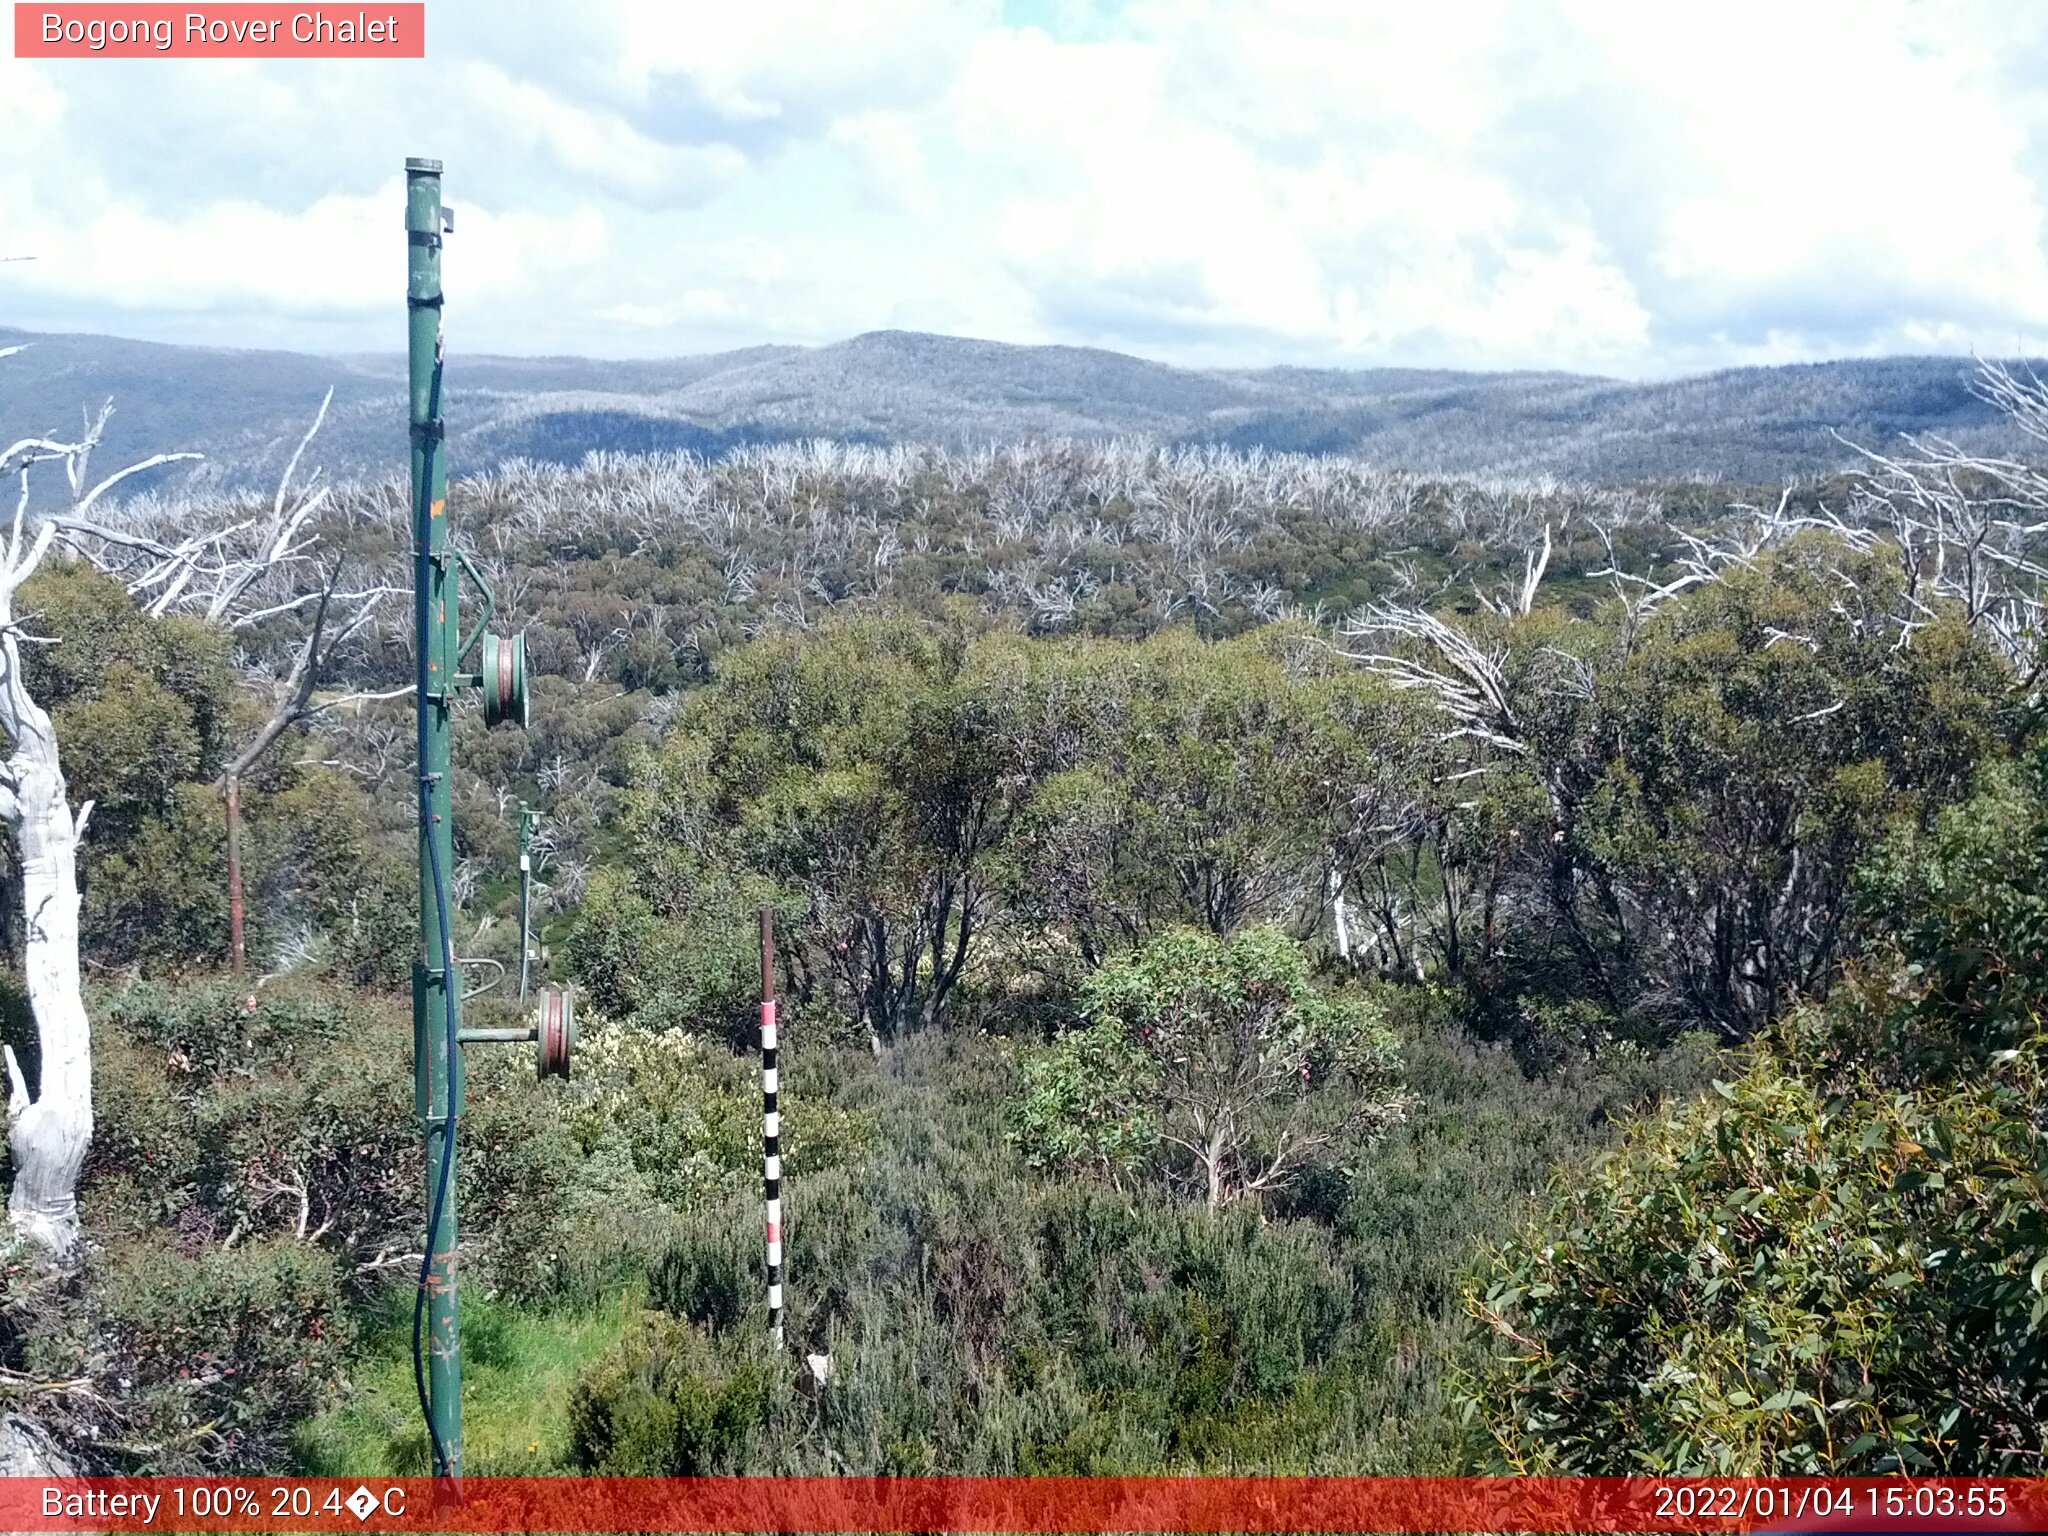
column 49, row 1121
column 1213, row 1066
column 49, row 1129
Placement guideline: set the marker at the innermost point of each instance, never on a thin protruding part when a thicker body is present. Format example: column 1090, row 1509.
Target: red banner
column 1167, row 1504
column 241, row 31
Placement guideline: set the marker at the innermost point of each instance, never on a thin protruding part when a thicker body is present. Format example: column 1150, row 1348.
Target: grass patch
column 518, row 1366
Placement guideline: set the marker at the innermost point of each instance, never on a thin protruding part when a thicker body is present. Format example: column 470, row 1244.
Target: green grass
column 518, row 1368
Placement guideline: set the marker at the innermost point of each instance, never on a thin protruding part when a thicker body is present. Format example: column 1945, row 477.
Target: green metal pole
column 436, row 994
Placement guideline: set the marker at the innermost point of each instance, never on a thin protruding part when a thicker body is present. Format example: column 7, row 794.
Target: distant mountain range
column 245, row 409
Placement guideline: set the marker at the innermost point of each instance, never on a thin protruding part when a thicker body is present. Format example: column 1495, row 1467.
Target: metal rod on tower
column 526, row 821
column 771, row 1128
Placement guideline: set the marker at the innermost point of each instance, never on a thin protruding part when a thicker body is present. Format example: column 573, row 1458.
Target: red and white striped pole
column 771, row 1128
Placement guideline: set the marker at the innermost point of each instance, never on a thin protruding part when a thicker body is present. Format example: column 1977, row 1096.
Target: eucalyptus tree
column 270, row 578
column 860, row 773
column 1213, row 1066
column 1713, row 755
column 1824, row 1265
column 1209, row 782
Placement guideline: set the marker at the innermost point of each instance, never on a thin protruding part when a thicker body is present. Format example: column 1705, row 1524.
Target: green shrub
column 526, row 1203
column 685, row 957
column 314, row 868
column 1216, row 1065
column 686, row 1115
column 1969, row 907
column 224, row 1353
column 209, row 1027
column 982, row 1319
column 223, row 1120
column 610, row 1179
column 159, row 895
column 1783, row 1279
column 664, row 1403
column 1210, row 1315
column 712, row 1270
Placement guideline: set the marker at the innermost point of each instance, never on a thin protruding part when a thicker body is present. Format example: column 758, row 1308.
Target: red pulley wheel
column 503, row 680
column 507, row 706
column 557, row 1021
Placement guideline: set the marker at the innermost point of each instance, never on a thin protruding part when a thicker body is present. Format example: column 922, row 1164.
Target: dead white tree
column 1641, row 596
column 48, row 1130
column 49, row 1126
column 231, row 575
column 1523, row 602
column 1971, row 529
column 1446, row 665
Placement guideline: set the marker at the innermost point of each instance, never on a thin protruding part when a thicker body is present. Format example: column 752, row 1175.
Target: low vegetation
column 1284, row 968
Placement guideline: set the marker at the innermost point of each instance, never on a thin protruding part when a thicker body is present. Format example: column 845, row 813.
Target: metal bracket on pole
column 490, row 606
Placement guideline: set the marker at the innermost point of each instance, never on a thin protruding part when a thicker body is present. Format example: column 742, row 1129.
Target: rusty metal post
column 238, row 952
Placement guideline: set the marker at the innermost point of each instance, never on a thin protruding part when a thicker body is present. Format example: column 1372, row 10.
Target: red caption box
column 398, row 1506
column 258, row 31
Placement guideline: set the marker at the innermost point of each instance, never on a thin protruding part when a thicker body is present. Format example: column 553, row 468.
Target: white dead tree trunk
column 49, row 1126
column 1340, row 915
column 48, row 1131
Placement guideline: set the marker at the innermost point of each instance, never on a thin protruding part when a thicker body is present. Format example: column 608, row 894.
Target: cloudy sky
column 1624, row 188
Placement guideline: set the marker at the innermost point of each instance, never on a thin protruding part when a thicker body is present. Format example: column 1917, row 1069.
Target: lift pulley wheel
column 504, row 679
column 556, row 1019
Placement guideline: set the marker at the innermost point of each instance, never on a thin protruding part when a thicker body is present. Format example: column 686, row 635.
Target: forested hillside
column 244, row 410
column 1286, row 966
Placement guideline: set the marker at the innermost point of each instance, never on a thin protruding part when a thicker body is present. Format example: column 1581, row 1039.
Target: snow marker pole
column 771, row 1128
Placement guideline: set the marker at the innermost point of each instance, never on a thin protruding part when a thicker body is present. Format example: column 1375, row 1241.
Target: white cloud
column 890, row 158
column 772, row 60
column 593, row 146
column 335, row 254
column 1586, row 184
column 1365, row 241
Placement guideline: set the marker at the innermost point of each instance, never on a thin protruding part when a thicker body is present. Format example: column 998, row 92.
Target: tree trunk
column 48, row 1134
column 237, row 953
column 1340, row 916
